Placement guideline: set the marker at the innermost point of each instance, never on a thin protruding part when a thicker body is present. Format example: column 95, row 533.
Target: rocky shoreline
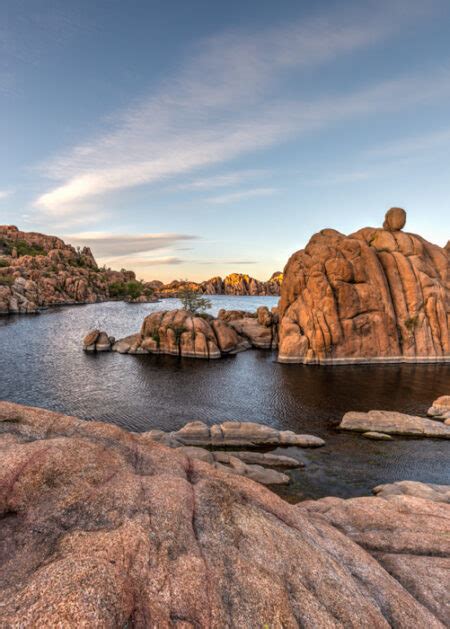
column 102, row 527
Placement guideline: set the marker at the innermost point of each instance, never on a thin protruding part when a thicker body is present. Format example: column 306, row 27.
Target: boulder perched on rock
column 376, row 295
column 395, row 219
column 393, row 423
column 182, row 333
column 102, row 528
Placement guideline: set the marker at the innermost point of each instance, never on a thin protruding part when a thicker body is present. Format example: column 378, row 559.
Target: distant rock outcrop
column 376, row 295
column 233, row 284
column 38, row 271
column 105, row 528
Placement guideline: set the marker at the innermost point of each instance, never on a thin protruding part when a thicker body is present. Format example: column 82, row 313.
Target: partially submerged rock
column 429, row 491
column 393, row 423
column 377, row 436
column 237, row 465
column 246, row 434
column 103, row 528
column 97, row 341
column 440, row 409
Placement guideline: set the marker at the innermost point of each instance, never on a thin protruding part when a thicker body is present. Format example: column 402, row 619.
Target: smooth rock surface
column 393, row 423
column 429, row 491
column 241, row 434
column 440, row 408
column 378, row 295
column 102, row 528
column 377, row 436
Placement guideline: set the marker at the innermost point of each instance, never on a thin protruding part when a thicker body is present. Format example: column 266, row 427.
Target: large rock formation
column 103, row 528
column 376, row 295
column 38, row 271
column 182, row 333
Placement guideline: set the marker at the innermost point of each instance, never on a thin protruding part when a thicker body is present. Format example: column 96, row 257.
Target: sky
column 193, row 139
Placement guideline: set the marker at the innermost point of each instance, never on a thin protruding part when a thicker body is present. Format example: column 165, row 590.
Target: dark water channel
column 42, row 364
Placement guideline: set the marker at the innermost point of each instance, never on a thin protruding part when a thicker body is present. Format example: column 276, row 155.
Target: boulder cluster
column 376, row 295
column 105, row 528
column 37, row 271
column 182, row 333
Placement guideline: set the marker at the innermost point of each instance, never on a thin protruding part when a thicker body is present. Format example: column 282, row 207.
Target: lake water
column 42, row 364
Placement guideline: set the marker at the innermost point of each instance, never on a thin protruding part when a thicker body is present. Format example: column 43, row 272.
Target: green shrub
column 3, row 263
column 24, row 249
column 126, row 290
column 192, row 301
column 411, row 323
column 6, row 280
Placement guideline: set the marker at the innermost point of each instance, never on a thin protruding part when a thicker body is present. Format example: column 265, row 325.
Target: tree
column 192, row 301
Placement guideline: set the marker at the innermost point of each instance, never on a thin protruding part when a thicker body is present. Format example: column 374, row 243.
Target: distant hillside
column 37, row 270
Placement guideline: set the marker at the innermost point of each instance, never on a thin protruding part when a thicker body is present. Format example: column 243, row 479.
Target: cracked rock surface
column 104, row 528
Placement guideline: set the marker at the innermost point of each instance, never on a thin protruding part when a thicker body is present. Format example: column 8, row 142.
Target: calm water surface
column 42, row 364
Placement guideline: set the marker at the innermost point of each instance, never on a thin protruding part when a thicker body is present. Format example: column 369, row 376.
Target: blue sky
column 192, row 139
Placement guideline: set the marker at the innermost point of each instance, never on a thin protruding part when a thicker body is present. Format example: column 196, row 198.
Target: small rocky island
column 185, row 334
column 106, row 528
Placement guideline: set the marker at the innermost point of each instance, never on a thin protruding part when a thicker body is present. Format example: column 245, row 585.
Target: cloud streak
column 225, row 102
column 234, row 197
column 105, row 244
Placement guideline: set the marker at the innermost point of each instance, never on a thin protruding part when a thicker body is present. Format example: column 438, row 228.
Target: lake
column 42, row 364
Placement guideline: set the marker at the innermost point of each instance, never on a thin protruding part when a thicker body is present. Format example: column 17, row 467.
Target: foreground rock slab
column 104, row 528
column 393, row 423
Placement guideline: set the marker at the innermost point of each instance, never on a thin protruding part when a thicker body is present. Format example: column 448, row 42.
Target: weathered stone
column 248, row 434
column 395, row 219
column 407, row 532
column 441, row 408
column 375, row 296
column 377, row 436
column 429, row 491
column 394, row 423
column 103, row 528
column 266, row 459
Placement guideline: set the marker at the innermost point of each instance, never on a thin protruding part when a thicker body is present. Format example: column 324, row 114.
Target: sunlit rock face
column 376, row 295
column 104, row 528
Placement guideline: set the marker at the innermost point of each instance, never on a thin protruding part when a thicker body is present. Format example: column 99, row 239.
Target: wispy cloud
column 222, row 181
column 4, row 194
column 108, row 245
column 233, row 197
column 226, row 102
column 134, row 263
column 412, row 145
